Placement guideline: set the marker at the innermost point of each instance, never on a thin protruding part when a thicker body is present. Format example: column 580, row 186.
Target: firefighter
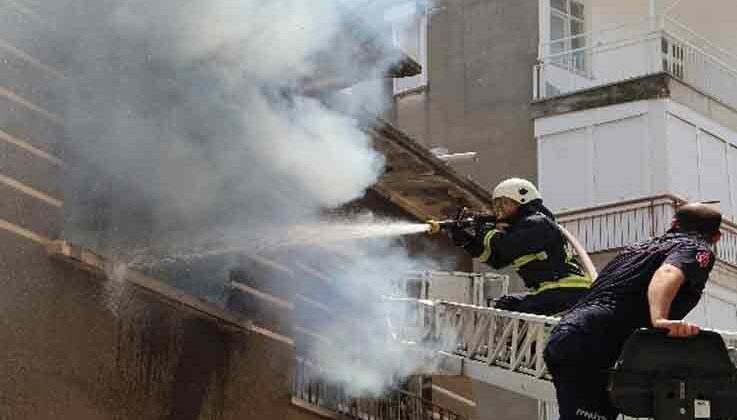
column 654, row 283
column 526, row 237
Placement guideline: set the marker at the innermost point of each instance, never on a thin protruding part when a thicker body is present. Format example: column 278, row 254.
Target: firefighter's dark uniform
column 590, row 335
column 536, row 248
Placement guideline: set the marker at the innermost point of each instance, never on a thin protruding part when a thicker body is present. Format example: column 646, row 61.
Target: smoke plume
column 194, row 126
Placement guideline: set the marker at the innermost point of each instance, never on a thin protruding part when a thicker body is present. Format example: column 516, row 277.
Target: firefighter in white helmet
column 525, row 235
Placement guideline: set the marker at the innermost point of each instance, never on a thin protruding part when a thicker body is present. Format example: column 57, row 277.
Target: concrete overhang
column 642, row 88
column 420, row 183
column 661, row 85
column 332, row 79
column 110, row 270
column 369, row 52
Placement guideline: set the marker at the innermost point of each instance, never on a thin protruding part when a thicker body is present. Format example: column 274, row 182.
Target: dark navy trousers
column 579, row 362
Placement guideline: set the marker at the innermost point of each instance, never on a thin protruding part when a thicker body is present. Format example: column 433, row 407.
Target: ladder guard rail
column 509, row 340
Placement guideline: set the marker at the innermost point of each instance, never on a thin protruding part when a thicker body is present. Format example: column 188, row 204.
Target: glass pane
column 557, row 27
column 579, row 42
column 576, row 27
column 579, row 62
column 577, row 9
column 559, row 5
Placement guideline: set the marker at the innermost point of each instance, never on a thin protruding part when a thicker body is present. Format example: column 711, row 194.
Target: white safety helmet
column 519, row 190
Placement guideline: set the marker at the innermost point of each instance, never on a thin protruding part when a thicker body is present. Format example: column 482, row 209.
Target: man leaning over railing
column 654, row 283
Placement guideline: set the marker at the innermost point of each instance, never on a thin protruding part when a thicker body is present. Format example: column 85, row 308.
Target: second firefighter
column 527, row 237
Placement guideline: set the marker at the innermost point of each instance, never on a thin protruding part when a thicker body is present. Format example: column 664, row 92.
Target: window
column 408, row 23
column 567, row 25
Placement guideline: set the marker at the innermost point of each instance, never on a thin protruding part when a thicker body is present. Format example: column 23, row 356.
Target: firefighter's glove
column 508, row 302
column 459, row 235
column 484, row 221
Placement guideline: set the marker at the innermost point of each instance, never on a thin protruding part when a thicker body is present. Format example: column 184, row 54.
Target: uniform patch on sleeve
column 703, row 257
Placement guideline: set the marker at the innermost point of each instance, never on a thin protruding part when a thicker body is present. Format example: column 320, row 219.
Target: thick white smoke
column 196, row 106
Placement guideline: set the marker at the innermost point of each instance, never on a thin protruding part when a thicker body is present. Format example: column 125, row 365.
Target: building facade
column 619, row 110
column 86, row 337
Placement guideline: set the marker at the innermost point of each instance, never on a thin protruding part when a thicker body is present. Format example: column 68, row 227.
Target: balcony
column 331, row 401
column 613, row 226
column 633, row 50
column 469, row 288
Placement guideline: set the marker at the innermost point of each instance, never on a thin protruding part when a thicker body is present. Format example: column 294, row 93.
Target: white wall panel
column 620, row 160
column 698, row 314
column 682, row 153
column 606, row 154
column 722, row 315
column 713, row 173
column 732, row 169
column 565, row 169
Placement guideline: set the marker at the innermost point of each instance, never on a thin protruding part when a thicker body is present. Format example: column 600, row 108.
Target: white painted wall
column 713, row 19
column 610, row 64
column 622, row 43
column 621, row 169
column 717, row 309
column 632, row 150
column 600, row 14
column 703, row 158
column 600, row 155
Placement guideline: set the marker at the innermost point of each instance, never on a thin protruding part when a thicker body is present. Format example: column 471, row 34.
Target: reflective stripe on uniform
column 487, row 245
column 526, row 259
column 565, row 282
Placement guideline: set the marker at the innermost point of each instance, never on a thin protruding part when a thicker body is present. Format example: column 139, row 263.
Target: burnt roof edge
column 398, row 137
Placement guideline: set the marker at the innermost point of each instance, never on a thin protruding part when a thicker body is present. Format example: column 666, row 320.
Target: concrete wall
column 667, row 147
column 713, row 20
column 619, row 24
column 480, row 59
column 497, row 403
column 583, row 154
column 76, row 349
column 478, row 400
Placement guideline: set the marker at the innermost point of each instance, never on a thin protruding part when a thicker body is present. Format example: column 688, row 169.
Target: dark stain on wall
column 172, row 365
column 203, row 364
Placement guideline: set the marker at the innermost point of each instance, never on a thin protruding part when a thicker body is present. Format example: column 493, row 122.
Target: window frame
column 580, row 64
column 419, row 18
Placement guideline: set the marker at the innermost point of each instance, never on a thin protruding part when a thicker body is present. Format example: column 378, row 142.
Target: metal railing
column 596, row 58
column 309, row 392
column 509, row 340
column 472, row 288
column 634, row 50
column 613, row 226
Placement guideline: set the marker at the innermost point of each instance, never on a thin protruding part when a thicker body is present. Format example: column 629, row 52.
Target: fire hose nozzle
column 435, row 226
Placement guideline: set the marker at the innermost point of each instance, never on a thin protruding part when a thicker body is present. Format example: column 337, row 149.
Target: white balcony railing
column 331, row 400
column 629, row 51
column 614, row 226
column 470, row 288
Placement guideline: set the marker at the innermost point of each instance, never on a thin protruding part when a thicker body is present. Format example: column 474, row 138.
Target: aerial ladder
column 493, row 346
